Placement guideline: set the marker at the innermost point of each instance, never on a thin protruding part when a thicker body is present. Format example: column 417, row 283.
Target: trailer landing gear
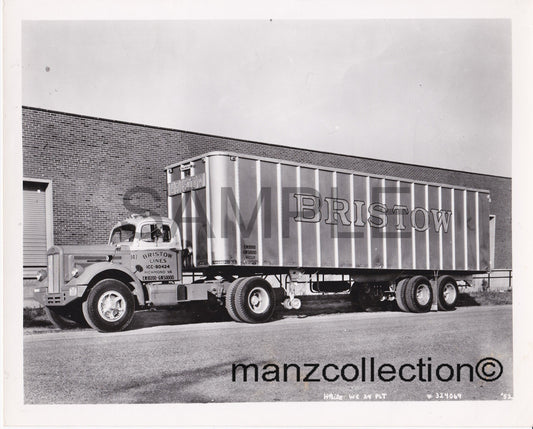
column 292, row 303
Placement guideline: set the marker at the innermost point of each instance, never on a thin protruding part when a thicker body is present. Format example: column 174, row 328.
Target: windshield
column 123, row 234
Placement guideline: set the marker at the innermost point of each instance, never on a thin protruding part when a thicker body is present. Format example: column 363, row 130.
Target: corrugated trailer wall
column 244, row 210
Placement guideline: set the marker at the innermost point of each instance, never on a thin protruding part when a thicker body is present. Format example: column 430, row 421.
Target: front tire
column 418, row 294
column 255, row 301
column 109, row 307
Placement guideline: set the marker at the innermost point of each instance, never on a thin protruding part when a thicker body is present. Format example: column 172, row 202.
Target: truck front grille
column 55, row 269
column 56, row 298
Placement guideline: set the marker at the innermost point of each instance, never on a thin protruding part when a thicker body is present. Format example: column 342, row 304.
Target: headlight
column 76, row 271
column 41, row 275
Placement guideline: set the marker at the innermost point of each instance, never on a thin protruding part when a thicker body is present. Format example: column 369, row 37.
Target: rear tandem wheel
column 254, row 300
column 230, row 299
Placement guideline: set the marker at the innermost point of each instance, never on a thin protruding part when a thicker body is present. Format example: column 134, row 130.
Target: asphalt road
column 193, row 362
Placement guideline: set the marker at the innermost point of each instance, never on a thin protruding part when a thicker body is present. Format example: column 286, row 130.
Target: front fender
column 99, row 268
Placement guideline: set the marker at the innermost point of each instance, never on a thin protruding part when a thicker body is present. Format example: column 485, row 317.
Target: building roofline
column 257, row 142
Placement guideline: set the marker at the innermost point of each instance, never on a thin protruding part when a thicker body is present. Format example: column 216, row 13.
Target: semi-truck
column 244, row 233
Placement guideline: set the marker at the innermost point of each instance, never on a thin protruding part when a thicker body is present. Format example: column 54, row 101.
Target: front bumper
column 62, row 298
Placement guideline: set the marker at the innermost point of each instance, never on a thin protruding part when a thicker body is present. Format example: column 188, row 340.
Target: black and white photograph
column 267, row 211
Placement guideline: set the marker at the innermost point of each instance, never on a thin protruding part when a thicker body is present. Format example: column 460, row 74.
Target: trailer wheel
column 400, row 295
column 230, row 299
column 418, row 294
column 109, row 307
column 448, row 293
column 254, row 300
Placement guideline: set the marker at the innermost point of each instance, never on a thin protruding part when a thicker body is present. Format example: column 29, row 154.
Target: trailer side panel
column 248, row 211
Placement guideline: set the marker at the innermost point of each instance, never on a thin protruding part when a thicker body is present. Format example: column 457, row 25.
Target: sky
column 429, row 92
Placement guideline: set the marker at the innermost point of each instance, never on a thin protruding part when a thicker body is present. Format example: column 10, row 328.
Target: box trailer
column 249, row 229
column 242, row 211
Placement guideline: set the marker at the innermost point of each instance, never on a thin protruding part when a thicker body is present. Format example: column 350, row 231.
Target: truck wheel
column 254, row 300
column 448, row 293
column 400, row 295
column 109, row 307
column 230, row 299
column 418, row 294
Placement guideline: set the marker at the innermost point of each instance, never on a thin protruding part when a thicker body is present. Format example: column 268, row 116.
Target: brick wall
column 103, row 170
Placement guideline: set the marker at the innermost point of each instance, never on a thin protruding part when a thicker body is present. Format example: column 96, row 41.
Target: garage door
column 35, row 234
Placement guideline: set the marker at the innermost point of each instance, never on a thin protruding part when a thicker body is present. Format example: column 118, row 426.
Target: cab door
column 155, row 253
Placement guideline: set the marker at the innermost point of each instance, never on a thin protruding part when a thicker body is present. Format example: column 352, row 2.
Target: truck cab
column 103, row 284
column 146, row 232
